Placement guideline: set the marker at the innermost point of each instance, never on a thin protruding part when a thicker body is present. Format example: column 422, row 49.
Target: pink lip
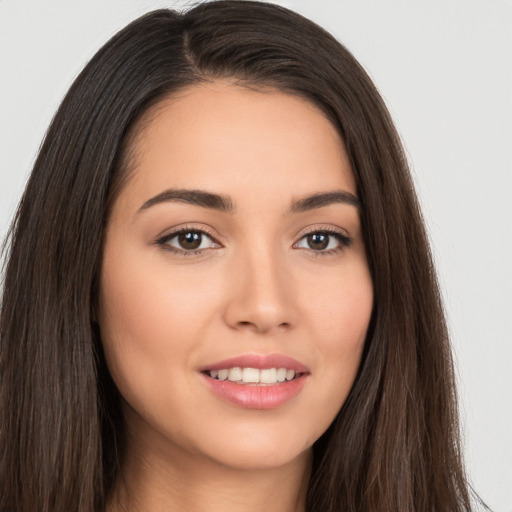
column 259, row 361
column 257, row 396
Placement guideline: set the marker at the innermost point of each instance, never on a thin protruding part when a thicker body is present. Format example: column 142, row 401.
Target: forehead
column 230, row 139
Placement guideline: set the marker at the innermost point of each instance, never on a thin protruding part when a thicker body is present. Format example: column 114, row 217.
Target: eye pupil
column 189, row 240
column 318, row 241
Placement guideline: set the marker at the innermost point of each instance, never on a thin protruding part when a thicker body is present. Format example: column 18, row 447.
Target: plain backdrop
column 445, row 70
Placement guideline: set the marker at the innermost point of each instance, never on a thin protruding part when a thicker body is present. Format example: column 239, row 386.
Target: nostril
column 259, row 327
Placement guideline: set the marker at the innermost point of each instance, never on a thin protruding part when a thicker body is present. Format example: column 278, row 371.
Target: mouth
column 256, row 381
column 254, row 376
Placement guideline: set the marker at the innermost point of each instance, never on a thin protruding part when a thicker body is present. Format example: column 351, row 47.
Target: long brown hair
column 394, row 446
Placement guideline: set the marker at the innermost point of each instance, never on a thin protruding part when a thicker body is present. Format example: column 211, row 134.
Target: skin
column 255, row 287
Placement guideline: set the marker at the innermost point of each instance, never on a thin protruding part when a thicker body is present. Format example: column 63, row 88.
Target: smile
column 263, row 376
column 256, row 381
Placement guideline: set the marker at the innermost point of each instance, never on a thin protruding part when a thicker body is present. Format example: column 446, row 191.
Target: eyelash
column 163, row 242
column 343, row 240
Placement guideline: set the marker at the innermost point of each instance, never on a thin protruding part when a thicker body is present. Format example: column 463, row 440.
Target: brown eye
column 324, row 242
column 318, row 241
column 187, row 241
column 190, row 240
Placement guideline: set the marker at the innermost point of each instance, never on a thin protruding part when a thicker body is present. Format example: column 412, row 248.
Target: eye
column 187, row 241
column 324, row 241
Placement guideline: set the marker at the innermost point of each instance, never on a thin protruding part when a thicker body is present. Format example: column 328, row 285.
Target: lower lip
column 256, row 396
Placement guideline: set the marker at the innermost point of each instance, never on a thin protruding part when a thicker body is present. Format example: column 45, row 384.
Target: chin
column 253, row 457
column 265, row 447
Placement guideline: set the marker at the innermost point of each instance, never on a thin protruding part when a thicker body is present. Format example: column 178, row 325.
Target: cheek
column 341, row 306
column 144, row 317
column 143, row 301
column 341, row 317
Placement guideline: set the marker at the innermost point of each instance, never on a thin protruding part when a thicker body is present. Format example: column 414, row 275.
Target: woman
column 219, row 290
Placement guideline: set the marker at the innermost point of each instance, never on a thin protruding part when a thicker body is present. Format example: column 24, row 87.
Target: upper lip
column 259, row 361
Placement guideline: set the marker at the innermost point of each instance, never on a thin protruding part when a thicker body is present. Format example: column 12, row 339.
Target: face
column 235, row 293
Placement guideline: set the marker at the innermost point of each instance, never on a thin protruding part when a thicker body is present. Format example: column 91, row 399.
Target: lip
column 257, row 396
column 259, row 361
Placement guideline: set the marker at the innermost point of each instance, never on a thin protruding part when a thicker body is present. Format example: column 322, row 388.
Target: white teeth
column 235, row 374
column 281, row 375
column 253, row 375
column 290, row 374
column 268, row 376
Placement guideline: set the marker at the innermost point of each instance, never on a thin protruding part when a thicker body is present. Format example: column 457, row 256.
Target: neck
column 156, row 480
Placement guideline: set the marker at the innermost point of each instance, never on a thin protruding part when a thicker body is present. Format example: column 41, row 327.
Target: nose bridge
column 261, row 289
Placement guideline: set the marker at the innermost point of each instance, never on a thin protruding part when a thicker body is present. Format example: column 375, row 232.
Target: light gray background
column 445, row 69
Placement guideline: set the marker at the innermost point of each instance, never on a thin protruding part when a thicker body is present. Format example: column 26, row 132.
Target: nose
column 260, row 293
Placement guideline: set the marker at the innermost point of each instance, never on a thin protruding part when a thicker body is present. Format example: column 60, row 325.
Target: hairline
column 130, row 152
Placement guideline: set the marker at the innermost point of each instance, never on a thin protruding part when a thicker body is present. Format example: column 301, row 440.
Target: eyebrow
column 195, row 197
column 225, row 204
column 324, row 199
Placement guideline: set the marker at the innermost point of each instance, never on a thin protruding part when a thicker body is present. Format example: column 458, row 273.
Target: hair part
column 394, row 446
